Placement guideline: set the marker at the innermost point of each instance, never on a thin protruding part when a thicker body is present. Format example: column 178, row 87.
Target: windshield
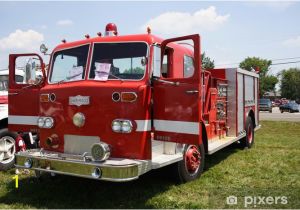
column 69, row 64
column 264, row 101
column 119, row 61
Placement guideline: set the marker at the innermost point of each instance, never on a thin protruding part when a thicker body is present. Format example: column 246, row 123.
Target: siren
column 111, row 29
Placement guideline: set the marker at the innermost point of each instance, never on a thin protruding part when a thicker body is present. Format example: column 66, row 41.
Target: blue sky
column 230, row 31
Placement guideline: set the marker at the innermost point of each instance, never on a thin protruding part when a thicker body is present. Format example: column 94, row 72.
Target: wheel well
column 204, row 138
column 251, row 115
column 3, row 123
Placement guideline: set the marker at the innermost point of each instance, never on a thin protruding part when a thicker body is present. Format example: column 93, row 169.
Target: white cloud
column 183, row 23
column 22, row 40
column 64, row 22
column 293, row 42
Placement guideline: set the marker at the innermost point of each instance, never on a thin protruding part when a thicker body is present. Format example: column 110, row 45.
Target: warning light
column 111, row 30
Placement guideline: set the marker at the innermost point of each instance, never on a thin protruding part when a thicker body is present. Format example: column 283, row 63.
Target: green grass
column 270, row 168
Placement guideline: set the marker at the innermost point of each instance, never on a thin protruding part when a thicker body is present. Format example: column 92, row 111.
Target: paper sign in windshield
column 75, row 73
column 102, row 71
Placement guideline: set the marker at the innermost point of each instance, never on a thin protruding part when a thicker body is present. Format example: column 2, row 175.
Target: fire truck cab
column 115, row 107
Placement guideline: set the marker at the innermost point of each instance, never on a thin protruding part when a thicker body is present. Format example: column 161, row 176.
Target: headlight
column 122, row 126
column 45, row 122
column 79, row 119
column 116, row 126
column 49, row 122
column 100, row 151
column 126, row 126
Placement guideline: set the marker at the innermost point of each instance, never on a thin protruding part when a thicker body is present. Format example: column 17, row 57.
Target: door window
column 27, row 70
column 188, row 66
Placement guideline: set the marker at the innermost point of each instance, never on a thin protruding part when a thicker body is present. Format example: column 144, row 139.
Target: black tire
column 248, row 141
column 182, row 173
column 8, row 159
column 281, row 110
column 270, row 110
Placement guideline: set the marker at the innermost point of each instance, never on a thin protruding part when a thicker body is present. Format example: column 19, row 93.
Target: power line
column 278, row 59
column 285, row 63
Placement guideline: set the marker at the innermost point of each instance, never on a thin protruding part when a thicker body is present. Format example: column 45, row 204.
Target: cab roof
column 148, row 38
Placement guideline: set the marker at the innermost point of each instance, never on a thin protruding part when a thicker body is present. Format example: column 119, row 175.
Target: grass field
column 271, row 168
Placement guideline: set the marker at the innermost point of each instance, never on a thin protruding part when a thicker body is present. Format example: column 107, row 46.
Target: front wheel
column 7, row 149
column 191, row 167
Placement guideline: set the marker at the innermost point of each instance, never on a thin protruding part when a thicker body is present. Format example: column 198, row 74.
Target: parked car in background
column 289, row 107
column 277, row 102
column 265, row 104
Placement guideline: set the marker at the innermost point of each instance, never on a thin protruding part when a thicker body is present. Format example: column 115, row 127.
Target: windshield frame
column 68, row 48
column 115, row 79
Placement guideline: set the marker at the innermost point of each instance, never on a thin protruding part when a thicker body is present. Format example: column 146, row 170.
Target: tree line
column 288, row 79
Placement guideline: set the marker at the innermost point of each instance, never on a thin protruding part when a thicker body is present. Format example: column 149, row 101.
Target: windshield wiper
column 110, row 74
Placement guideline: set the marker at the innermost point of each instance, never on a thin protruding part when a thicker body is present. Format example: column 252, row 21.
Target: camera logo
column 231, row 200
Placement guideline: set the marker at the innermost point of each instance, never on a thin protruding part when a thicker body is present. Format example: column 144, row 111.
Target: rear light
column 122, row 126
column 128, row 96
column 45, row 122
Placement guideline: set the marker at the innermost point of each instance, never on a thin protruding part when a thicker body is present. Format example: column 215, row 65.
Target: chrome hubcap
column 7, row 149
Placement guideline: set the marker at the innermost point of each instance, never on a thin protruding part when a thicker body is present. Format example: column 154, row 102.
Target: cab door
column 26, row 74
column 176, row 91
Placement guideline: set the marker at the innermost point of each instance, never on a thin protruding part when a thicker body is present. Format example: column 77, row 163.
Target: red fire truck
column 115, row 107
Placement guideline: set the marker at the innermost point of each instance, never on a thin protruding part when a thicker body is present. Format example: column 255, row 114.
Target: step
column 164, row 160
column 216, row 145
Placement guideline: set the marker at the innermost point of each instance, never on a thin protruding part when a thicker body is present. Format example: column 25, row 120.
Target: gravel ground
column 277, row 116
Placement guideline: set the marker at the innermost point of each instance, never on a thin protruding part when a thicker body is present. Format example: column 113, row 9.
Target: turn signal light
column 44, row 98
column 128, row 96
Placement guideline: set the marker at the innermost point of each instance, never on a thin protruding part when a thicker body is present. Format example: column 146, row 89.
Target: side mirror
column 43, row 49
column 156, row 65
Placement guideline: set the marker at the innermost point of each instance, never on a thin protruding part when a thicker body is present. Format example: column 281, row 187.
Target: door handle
column 192, row 91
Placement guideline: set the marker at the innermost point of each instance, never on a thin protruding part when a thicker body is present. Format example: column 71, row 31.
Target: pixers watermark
column 257, row 201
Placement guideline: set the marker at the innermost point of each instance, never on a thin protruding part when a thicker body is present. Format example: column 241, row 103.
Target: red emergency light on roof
column 111, row 29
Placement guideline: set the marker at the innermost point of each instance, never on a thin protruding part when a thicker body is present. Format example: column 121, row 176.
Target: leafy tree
column 266, row 82
column 290, row 83
column 137, row 70
column 207, row 63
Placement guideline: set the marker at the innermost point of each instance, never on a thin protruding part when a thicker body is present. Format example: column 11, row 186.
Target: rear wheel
column 248, row 141
column 7, row 149
column 191, row 167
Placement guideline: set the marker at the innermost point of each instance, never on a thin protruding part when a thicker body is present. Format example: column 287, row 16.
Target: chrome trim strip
column 143, row 125
column 177, row 126
column 22, row 120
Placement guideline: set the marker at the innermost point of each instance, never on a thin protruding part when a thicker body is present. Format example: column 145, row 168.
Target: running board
column 164, row 160
column 216, row 145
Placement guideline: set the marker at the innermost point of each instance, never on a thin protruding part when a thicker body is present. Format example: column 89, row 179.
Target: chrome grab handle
column 192, row 91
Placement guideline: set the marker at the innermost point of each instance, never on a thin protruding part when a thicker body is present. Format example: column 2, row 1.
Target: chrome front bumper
column 113, row 169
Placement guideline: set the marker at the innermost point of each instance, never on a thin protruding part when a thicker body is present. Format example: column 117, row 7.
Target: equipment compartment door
column 25, row 80
column 177, row 93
